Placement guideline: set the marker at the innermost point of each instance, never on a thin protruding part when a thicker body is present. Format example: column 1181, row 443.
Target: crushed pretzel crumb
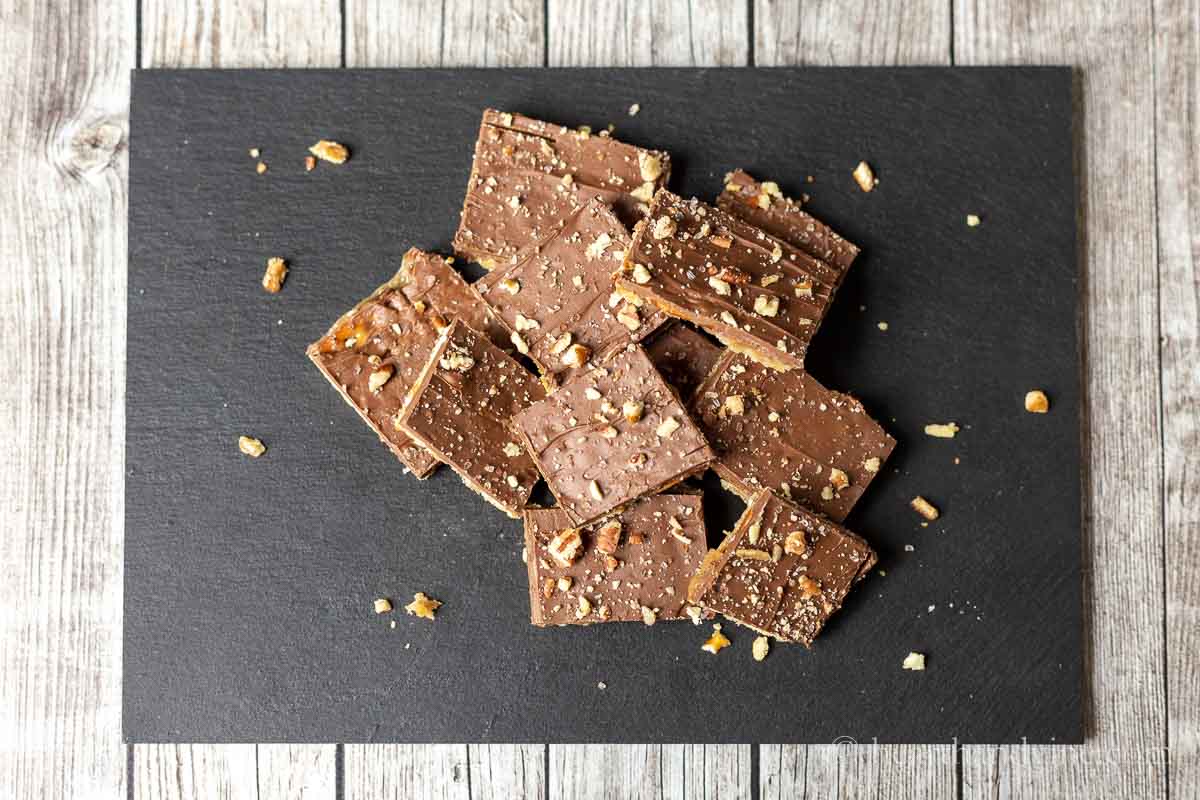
column 423, row 606
column 383, row 605
column 914, row 662
column 941, row 430
column 973, row 221
column 717, row 642
column 760, row 648
column 864, row 176
column 251, row 446
column 1036, row 402
column 925, row 508
column 273, row 278
column 330, row 151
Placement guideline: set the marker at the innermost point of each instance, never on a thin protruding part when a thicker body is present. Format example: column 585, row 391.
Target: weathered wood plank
column 507, row 771
column 629, row 33
column 885, row 32
column 229, row 34
column 64, row 95
column 1177, row 145
column 436, row 772
column 1111, row 42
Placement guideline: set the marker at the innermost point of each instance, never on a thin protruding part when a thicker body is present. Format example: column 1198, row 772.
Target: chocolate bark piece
column 633, row 567
column 559, row 293
column 765, row 207
column 683, row 356
column 757, row 294
column 611, row 434
column 782, row 570
column 436, row 288
column 460, row 408
column 786, row 432
column 528, row 175
column 372, row 355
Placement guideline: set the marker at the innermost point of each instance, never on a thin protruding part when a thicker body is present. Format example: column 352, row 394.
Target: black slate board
column 249, row 583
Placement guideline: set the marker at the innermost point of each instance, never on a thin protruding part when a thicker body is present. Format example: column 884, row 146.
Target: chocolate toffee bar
column 633, row 567
column 786, row 432
column 765, row 207
column 558, row 299
column 782, row 570
column 683, row 357
column 460, row 407
column 529, row 175
column 611, row 434
column 372, row 355
column 757, row 294
column 435, row 287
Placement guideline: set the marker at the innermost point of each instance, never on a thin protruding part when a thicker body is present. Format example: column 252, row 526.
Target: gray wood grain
column 64, row 97
column 1177, row 146
column 1123, row 537
column 230, row 34
column 886, row 32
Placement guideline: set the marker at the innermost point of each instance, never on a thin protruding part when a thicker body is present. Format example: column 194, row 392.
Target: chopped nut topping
column 728, row 318
column 716, row 643
column 632, row 409
column 826, row 492
column 838, row 479
column 548, row 588
column 512, row 481
column 565, row 547
column 804, row 288
column 720, row 286
column 941, row 431
column 272, row 279
column 667, row 427
column 585, row 607
column 561, row 343
column 423, row 606
column 255, row 152
column 383, row 605
column 914, row 661
column 760, row 648
column 872, row 464
column 649, row 615
column 724, row 242
column 607, row 537
column 795, row 544
column 695, row 614
column 767, row 280
column 456, row 361
column 641, row 274
column 523, row 323
column 564, row 583
column 595, row 491
column 634, row 109
column 734, row 405
column 379, row 377
column 576, row 355
column 251, row 446
column 766, row 306
column 260, row 168
column 664, row 227
column 329, row 151
column 973, row 221
column 864, row 176
column 753, row 555
column 596, row 248
column 925, row 508
column 809, row 587
column 510, row 285
column 753, row 533
column 519, row 342
column 776, row 254
column 512, row 449
column 628, row 316
column 592, row 393
column 645, row 192
column 310, row 163
column 1036, row 402
column 650, row 165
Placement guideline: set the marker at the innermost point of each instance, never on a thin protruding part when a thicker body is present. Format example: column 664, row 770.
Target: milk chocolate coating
column 460, row 408
column 384, row 330
column 792, row 433
column 517, row 194
column 650, row 567
column 683, row 245
column 683, row 357
column 783, row 218
column 753, row 580
column 566, row 287
column 431, row 280
column 577, row 439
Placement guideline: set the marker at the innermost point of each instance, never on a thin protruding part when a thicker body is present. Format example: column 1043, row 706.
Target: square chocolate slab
column 437, row 289
column 558, row 296
column 782, row 570
column 633, row 567
column 460, row 408
column 611, row 434
column 786, row 432
column 528, row 175
column 764, row 206
column 683, row 356
column 756, row 293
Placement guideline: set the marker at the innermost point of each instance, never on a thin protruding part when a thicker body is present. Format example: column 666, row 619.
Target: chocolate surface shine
column 786, row 432
column 593, row 456
column 528, row 175
column 563, row 286
column 660, row 546
column 460, row 408
column 756, row 293
column 782, row 570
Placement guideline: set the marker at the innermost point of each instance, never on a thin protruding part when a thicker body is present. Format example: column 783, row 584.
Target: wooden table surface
column 64, row 93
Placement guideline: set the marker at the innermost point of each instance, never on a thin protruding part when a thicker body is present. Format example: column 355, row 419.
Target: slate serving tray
column 248, row 584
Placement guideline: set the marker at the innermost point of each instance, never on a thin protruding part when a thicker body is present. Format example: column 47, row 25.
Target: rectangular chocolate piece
column 683, row 356
column 611, row 434
column 757, row 294
column 460, row 408
column 559, row 294
column 436, row 288
column 528, row 175
column 782, row 570
column 633, row 567
column 764, row 206
column 372, row 355
column 786, row 432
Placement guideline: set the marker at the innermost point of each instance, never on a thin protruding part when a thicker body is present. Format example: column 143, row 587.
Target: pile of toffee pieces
column 631, row 397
